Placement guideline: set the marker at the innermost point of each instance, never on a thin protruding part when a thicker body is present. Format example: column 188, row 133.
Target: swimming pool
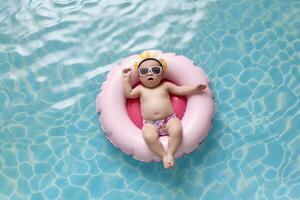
column 54, row 56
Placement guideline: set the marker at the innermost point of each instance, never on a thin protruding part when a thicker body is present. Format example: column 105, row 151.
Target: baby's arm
column 184, row 90
column 128, row 91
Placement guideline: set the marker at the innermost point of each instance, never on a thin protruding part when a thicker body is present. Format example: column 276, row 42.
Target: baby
column 157, row 111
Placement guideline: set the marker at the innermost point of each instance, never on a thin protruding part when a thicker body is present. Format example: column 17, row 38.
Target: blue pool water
column 54, row 56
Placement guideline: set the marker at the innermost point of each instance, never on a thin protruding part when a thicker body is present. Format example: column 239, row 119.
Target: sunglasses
column 156, row 70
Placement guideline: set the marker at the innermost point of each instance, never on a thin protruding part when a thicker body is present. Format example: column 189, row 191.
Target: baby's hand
column 126, row 72
column 201, row 87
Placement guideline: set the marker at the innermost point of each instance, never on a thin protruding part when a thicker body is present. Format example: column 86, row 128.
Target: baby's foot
column 166, row 162
column 171, row 160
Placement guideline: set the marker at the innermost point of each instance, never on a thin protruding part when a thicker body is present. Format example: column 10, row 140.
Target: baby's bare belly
column 156, row 109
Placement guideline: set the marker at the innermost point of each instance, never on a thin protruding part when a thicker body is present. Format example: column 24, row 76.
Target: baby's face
column 151, row 80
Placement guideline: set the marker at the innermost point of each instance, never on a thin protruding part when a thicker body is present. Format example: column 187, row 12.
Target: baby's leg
column 151, row 137
column 174, row 129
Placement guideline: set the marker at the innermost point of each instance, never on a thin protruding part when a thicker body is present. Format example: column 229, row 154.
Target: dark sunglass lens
column 143, row 71
column 156, row 70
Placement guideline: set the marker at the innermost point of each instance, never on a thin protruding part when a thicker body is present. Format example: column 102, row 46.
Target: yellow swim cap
column 149, row 55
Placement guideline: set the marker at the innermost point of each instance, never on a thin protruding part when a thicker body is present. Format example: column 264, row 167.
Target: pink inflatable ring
column 121, row 120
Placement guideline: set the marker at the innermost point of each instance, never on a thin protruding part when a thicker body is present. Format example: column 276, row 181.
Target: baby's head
column 150, row 69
